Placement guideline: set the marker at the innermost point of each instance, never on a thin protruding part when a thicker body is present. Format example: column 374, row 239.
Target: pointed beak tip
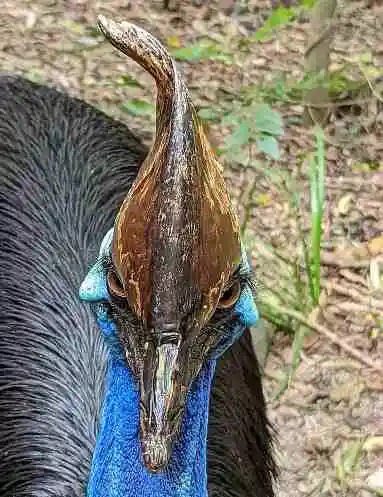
column 101, row 19
column 157, row 452
column 154, row 467
column 104, row 24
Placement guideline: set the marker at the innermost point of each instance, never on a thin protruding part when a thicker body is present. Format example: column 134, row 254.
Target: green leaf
column 308, row 3
column 208, row 114
column 280, row 88
column 296, row 356
column 349, row 461
column 203, row 50
column 268, row 120
column 230, row 120
column 136, row 107
column 238, row 155
column 239, row 137
column 34, row 76
column 128, row 81
column 269, row 146
column 188, row 53
column 279, row 17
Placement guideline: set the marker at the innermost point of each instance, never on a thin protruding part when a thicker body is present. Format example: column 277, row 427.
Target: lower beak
column 162, row 403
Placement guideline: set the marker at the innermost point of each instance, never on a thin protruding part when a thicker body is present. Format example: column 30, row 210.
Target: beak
column 163, row 398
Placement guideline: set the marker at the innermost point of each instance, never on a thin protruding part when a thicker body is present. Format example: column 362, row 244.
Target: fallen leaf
column 347, row 391
column 375, row 382
column 349, row 460
column 173, row 42
column 373, row 444
column 375, row 246
column 375, row 480
column 345, row 203
column 375, row 277
column 263, row 199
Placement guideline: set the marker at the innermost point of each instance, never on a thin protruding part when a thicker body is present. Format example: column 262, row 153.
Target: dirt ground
column 337, row 398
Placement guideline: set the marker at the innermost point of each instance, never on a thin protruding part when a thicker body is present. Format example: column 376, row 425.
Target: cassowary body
column 70, row 415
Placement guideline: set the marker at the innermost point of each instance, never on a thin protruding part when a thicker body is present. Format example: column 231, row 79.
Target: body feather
column 65, row 168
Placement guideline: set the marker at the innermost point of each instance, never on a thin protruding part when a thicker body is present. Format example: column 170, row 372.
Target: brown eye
column 230, row 297
column 114, row 285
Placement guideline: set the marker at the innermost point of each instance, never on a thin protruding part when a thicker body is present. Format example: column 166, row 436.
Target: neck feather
column 117, row 468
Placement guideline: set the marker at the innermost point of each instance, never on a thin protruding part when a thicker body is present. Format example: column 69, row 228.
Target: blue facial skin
column 117, row 469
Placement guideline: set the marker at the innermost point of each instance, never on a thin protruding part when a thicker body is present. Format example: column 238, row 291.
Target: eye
column 115, row 286
column 230, row 296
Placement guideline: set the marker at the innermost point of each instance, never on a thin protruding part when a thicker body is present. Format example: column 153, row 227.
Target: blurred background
column 291, row 97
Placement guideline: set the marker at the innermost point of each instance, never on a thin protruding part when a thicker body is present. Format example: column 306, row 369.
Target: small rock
column 373, row 444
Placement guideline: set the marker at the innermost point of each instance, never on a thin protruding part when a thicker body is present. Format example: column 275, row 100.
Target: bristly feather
column 240, row 449
column 64, row 170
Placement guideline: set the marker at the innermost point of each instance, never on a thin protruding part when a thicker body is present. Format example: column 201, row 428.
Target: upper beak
column 162, row 399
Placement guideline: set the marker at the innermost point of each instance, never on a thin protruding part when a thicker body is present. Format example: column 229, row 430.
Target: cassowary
column 112, row 399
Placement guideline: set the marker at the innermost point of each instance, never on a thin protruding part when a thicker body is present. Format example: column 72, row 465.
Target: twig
column 346, row 308
column 370, row 302
column 354, row 278
column 370, row 84
column 330, row 335
column 331, row 259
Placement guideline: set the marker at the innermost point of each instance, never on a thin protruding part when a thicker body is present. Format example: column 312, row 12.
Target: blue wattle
column 117, row 469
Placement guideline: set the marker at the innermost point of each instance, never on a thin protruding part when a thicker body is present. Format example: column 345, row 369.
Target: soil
column 336, row 399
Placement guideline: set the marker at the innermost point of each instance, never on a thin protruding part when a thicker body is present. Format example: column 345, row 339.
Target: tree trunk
column 317, row 58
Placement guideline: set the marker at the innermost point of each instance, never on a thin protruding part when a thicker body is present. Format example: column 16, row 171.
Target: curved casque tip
column 140, row 45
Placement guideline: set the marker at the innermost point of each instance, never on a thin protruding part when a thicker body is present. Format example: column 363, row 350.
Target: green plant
column 349, row 461
column 137, row 107
column 317, row 194
column 298, row 282
column 203, row 49
column 252, row 125
column 279, row 17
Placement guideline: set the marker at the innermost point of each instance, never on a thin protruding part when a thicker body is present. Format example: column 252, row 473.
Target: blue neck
column 117, row 469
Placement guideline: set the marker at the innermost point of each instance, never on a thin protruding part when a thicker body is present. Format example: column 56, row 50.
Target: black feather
column 64, row 170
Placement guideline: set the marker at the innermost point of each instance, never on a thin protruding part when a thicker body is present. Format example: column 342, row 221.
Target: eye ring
column 115, row 286
column 230, row 296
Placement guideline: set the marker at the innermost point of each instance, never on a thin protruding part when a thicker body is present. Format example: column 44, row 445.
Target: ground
column 330, row 420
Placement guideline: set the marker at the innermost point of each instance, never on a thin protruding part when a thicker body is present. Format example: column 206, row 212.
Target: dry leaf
column 345, row 203
column 263, row 199
column 173, row 42
column 373, row 444
column 348, row 391
column 376, row 479
column 375, row 278
column 375, row 246
column 375, row 382
column 349, row 461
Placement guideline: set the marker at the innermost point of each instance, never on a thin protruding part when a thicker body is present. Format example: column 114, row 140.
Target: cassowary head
column 175, row 268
